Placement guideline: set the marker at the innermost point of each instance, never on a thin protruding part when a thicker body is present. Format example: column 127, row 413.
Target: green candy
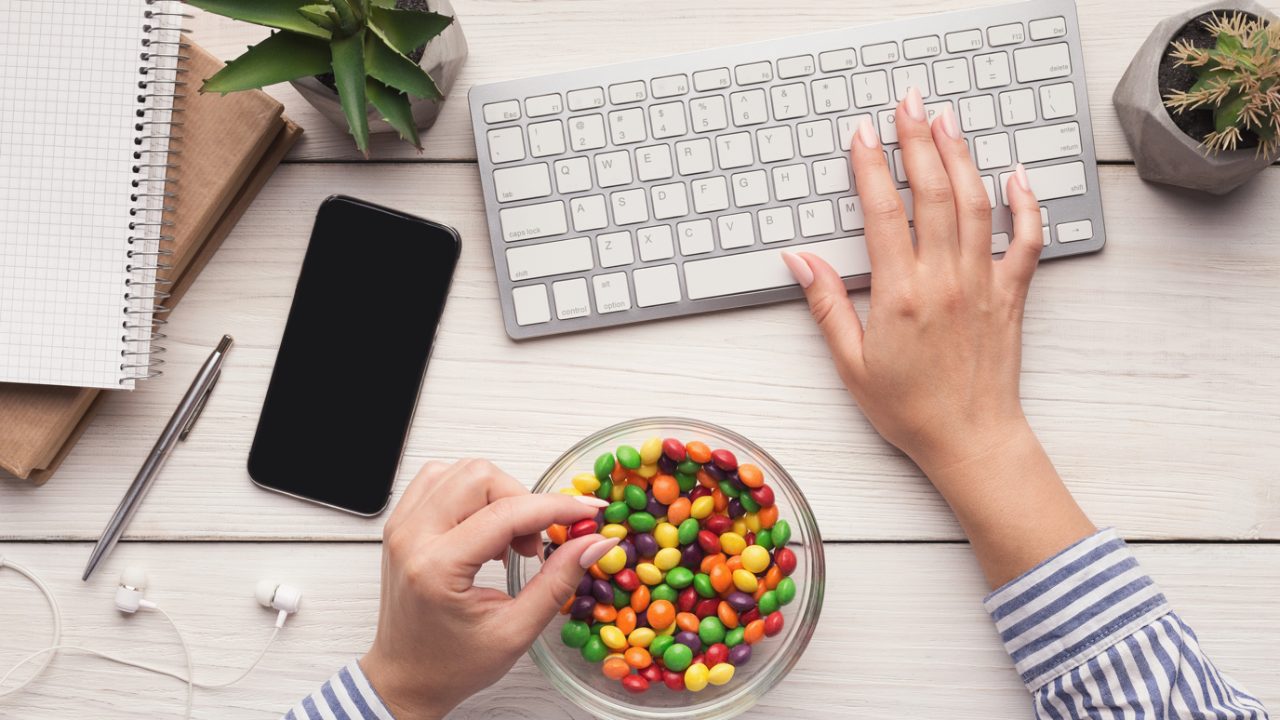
column 628, row 457
column 768, row 602
column 663, row 591
column 605, row 490
column 677, row 657
column 686, row 482
column 575, row 633
column 679, row 578
column 687, row 531
column 711, row 630
column 702, row 583
column 635, row 498
column 616, row 512
column 747, row 503
column 594, row 650
column 621, row 598
column 781, row 533
column 786, row 590
column 604, row 467
column 735, row 636
column 688, row 467
column 729, row 490
column 660, row 645
column 641, row 522
column 764, row 539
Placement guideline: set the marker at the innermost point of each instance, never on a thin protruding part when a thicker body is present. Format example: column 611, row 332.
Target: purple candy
column 582, row 607
column 599, row 518
column 740, row 601
column 691, row 556
column 740, row 655
column 646, row 545
column 735, row 509
column 584, row 585
column 684, row 637
column 602, row 591
column 642, row 619
column 656, row 508
column 547, row 549
column 630, row 550
column 714, row 472
column 666, row 465
column 738, row 484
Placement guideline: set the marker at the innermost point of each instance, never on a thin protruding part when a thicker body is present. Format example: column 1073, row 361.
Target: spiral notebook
column 86, row 98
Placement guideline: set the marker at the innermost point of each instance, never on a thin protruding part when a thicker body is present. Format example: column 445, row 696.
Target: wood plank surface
column 1150, row 372
column 510, row 39
column 902, row 633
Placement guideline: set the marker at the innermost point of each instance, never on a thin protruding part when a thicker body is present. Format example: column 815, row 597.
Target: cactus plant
column 1238, row 79
column 364, row 43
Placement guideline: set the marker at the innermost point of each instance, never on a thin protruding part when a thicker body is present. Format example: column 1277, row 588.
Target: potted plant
column 1200, row 103
column 373, row 65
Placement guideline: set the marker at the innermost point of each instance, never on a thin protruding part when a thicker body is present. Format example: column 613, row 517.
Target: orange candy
column 721, row 500
column 750, row 475
column 773, row 577
column 615, row 668
column 687, row 621
column 768, row 516
column 753, row 632
column 626, row 620
column 604, row 613
column 727, row 615
column 618, row 472
column 661, row 614
column 761, row 589
column 711, row 561
column 678, row 511
column 638, row 658
column 665, row 489
column 734, row 563
column 597, row 573
column 698, row 452
column 559, row 534
column 564, row 609
column 640, row 599
column 721, row 577
column 706, row 480
column 634, row 479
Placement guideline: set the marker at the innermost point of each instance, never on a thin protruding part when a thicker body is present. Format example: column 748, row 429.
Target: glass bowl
column 772, row 658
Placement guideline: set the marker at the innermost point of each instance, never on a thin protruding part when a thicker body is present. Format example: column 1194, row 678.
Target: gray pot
column 1162, row 152
column 442, row 60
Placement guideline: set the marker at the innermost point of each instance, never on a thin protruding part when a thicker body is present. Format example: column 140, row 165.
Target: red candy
column 716, row 654
column 674, row 449
column 718, row 524
column 749, row 616
column 724, row 460
column 652, row 673
column 673, row 680
column 628, row 580
column 707, row 608
column 785, row 559
column 763, row 495
column 709, row 541
column 582, row 527
column 698, row 492
column 773, row 623
column 687, row 599
column 635, row 683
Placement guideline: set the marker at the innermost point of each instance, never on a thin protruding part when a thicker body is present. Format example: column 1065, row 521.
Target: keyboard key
column 669, row 86
column 850, row 211
column 831, row 176
column 999, row 243
column 613, row 169
column 531, row 306
column 734, row 150
column 921, row 47
column 750, row 188
column 693, row 156
column 612, row 293
column 506, row 145
column 629, row 207
column 627, row 126
column 553, row 258
column 573, row 175
column 710, row 194
column 964, row 41
column 992, row 151
column 789, row 101
column 775, row 144
column 587, row 132
column 695, row 237
column 655, row 243
column 916, row 76
column 1045, row 235
column 749, row 107
column 880, row 54
column 764, row 269
column 589, row 213
column 837, row 60
column 708, row 114
column 1010, row 34
column 870, row 89
column 1049, row 142
column 669, row 201
column 657, row 285
column 653, row 163
column 533, row 221
column 541, row 105
column 1047, row 28
column 977, row 113
column 522, row 183
column 899, row 168
column 951, row 76
column 776, row 224
column 887, row 122
column 991, row 70
column 754, row 73
column 571, row 298
column 736, row 231
column 502, row 111
column 1075, row 231
column 934, row 109
column 1044, row 215
column 790, row 182
column 586, row 99
column 830, row 95
column 614, row 249
column 990, row 184
column 1050, row 182
column 628, row 92
column 707, row 80
column 1058, row 101
column 816, row 219
column 815, row 138
column 546, row 138
column 667, row 120
column 846, row 126
column 794, row 67
column 1018, row 107
column 1042, row 62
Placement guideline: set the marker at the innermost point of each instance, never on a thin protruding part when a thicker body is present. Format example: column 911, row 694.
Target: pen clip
column 186, row 430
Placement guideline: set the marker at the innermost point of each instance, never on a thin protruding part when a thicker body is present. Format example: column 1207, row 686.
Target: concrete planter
column 1162, row 152
column 442, row 60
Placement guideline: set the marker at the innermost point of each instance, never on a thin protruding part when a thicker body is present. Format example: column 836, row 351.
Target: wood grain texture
column 902, row 633
column 1150, row 372
column 511, row 38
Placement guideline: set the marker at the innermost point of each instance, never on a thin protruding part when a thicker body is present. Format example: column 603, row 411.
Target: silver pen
column 177, row 429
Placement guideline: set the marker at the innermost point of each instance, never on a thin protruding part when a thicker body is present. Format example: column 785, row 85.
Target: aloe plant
column 1238, row 79
column 364, row 43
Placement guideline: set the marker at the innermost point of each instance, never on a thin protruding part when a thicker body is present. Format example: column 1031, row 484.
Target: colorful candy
column 699, row 577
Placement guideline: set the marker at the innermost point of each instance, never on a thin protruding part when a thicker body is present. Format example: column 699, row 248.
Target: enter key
column 1048, row 143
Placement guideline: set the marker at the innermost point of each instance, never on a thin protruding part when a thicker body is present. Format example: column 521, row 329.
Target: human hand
column 440, row 638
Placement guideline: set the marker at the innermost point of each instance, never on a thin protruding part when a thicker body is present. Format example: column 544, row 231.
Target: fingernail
column 596, row 551
column 800, row 269
column 1020, row 172
column 949, row 124
column 867, row 134
column 591, row 501
column 914, row 104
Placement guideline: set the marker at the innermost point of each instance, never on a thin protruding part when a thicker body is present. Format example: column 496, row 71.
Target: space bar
column 764, row 269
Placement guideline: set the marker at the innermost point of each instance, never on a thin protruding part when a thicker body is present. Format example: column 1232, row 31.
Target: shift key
column 533, row 221
column 1050, row 182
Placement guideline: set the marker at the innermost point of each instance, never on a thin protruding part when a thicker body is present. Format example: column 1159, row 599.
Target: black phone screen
column 354, row 352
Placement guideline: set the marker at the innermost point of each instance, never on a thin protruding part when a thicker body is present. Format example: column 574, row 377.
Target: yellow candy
column 641, row 637
column 755, row 559
column 647, row 471
column 614, row 560
column 586, row 483
column 752, row 521
column 618, row 491
column 667, row 535
column 732, row 543
column 745, row 581
column 668, row 630
column 667, row 558
column 649, row 573
column 613, row 638
column 614, row 530
column 650, row 451
column 696, row 677
column 720, row 673
column 702, row 507
column 570, row 491
column 740, row 526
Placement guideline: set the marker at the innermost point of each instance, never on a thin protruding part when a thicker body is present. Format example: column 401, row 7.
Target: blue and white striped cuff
column 1073, row 606
column 345, row 696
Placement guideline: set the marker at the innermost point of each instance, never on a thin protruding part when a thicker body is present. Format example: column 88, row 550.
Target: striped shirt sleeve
column 1092, row 636
column 345, row 696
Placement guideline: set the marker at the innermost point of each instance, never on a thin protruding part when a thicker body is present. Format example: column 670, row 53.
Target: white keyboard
column 672, row 186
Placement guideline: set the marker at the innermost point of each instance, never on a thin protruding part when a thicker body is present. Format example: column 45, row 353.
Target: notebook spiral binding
column 154, row 191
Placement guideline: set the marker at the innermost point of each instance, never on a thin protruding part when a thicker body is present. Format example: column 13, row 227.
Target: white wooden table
column 1150, row 372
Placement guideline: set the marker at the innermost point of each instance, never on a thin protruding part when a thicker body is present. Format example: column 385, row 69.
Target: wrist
column 960, row 456
column 403, row 695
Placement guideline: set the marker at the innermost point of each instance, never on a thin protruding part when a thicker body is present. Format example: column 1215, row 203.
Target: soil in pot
column 330, row 82
column 1196, row 124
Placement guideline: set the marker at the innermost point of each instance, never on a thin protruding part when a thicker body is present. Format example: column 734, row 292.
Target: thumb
column 555, row 583
column 1019, row 263
column 830, row 305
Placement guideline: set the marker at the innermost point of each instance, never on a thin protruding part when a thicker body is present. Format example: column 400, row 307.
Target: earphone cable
column 57, row 625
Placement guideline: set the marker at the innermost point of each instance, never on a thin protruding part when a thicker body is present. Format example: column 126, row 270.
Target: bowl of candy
column 713, row 591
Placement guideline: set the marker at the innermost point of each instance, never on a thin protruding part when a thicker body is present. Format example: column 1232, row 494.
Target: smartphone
column 355, row 349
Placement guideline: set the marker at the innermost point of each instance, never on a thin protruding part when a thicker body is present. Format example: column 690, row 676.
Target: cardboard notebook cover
column 227, row 148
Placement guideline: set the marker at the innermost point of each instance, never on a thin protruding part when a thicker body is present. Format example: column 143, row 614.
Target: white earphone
column 284, row 598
